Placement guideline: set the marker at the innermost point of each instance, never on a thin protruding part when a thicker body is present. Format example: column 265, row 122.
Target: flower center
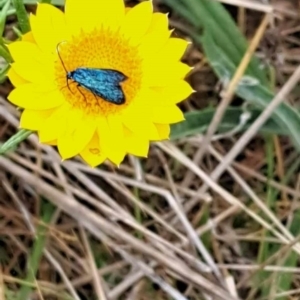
column 100, row 49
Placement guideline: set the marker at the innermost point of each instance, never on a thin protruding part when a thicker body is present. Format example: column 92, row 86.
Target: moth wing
column 106, row 76
column 109, row 92
column 104, row 83
column 112, row 76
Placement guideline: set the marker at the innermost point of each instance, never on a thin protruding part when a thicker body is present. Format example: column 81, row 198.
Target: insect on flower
column 113, row 86
column 104, row 83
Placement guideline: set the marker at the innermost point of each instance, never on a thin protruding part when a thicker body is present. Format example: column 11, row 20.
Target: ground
column 165, row 227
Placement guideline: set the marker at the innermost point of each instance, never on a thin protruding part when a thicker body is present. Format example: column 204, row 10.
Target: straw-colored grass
column 207, row 216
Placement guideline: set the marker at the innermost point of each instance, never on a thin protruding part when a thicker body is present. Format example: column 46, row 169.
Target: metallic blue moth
column 104, row 83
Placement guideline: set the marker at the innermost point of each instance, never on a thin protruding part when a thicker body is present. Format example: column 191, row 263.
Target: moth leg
column 95, row 96
column 78, row 88
column 68, row 86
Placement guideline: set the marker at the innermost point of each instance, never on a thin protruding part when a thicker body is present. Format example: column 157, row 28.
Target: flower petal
column 48, row 27
column 167, row 60
column 36, row 97
column 174, row 49
column 159, row 22
column 55, row 126
column 138, row 121
column 103, row 134
column 156, row 37
column 24, row 50
column 168, row 72
column 167, row 114
column 136, row 145
column 14, row 78
column 28, row 37
column 32, row 72
column 93, row 13
column 111, row 138
column 137, row 21
column 163, row 131
column 31, row 63
column 174, row 93
column 117, row 144
column 92, row 154
column 34, row 119
column 71, row 144
column 51, row 143
column 73, row 120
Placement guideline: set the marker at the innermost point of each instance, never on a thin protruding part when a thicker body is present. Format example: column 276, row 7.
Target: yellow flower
column 100, row 34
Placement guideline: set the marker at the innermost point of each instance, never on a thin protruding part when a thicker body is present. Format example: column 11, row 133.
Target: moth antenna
column 57, row 50
column 63, row 64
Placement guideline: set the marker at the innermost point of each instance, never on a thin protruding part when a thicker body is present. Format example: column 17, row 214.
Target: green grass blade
column 214, row 19
column 53, row 2
column 224, row 46
column 265, row 250
column 37, row 250
column 252, row 90
column 197, row 122
column 16, row 139
column 285, row 280
column 21, row 15
column 5, row 54
column 3, row 73
column 3, row 15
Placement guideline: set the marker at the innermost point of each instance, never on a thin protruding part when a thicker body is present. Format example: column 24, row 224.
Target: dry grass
column 196, row 220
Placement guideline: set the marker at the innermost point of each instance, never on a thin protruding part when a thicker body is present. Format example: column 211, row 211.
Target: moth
column 104, row 83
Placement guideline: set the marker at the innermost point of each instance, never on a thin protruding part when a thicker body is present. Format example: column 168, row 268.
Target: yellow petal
column 36, row 97
column 28, row 37
column 171, row 53
column 156, row 37
column 92, row 154
column 117, row 144
column 138, row 121
column 48, row 27
column 51, row 143
column 164, row 73
column 31, row 63
column 174, row 93
column 137, row 21
column 167, row 114
column 111, row 138
column 73, row 120
column 149, row 97
column 55, row 126
column 174, row 49
column 90, row 14
column 23, row 50
column 33, row 72
column 136, row 145
column 14, row 78
column 34, row 119
column 103, row 134
column 163, row 131
column 159, row 22
column 71, row 144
